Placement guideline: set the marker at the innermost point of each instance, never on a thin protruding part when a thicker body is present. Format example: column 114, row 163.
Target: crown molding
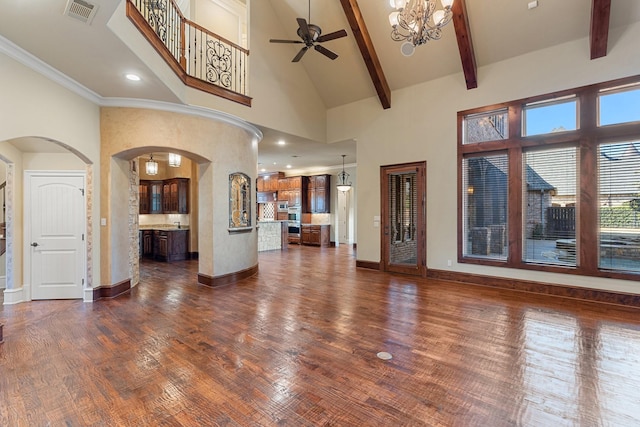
column 15, row 52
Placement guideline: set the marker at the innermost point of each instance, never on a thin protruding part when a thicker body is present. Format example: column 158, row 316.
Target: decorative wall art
column 239, row 202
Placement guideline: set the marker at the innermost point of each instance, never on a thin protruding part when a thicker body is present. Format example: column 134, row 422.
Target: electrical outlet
column 449, row 264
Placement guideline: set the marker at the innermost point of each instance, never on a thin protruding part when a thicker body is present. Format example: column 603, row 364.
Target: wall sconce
column 151, row 166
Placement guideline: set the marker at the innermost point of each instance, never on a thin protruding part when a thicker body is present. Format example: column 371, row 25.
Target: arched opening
column 23, row 158
column 162, row 204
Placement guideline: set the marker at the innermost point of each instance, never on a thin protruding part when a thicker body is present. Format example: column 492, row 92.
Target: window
column 619, row 206
column 486, row 127
column 550, row 117
column 549, row 206
column 485, row 206
column 566, row 201
column 619, row 105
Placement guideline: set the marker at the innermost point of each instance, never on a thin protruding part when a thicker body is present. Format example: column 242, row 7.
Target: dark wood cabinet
column 170, row 245
column 168, row 196
column 150, row 195
column 318, row 194
column 290, row 190
column 144, row 197
column 175, row 195
column 155, row 197
column 146, row 243
column 268, row 182
column 315, row 235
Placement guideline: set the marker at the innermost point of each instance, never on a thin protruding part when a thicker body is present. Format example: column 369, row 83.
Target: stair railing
column 201, row 58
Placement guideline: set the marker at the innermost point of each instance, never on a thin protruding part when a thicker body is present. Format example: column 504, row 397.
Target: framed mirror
column 239, row 201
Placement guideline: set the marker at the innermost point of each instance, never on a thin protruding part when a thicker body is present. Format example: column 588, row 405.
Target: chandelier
column 417, row 21
column 343, row 178
column 151, row 166
column 175, row 160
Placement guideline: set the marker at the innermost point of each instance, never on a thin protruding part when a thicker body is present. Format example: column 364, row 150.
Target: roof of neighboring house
column 536, row 183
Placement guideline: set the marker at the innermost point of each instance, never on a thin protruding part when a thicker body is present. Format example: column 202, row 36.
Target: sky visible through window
column 551, row 118
column 621, row 107
column 614, row 108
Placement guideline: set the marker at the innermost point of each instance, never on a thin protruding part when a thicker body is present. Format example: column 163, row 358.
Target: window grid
column 588, row 215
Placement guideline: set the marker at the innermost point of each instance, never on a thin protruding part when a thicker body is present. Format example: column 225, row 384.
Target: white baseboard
column 13, row 296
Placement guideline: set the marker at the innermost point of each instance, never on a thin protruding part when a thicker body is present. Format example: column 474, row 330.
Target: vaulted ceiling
column 369, row 64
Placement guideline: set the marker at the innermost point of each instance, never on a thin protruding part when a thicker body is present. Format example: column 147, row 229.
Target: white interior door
column 57, row 223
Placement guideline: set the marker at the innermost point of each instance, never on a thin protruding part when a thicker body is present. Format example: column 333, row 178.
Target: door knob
column 34, row 244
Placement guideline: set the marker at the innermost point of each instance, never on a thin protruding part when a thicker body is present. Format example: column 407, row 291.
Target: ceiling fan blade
column 332, row 36
column 326, row 52
column 285, row 41
column 298, row 57
column 304, row 29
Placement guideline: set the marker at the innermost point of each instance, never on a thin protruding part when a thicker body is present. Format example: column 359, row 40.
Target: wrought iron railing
column 201, row 58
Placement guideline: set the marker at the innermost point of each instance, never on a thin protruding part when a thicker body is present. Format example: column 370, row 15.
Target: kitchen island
column 272, row 235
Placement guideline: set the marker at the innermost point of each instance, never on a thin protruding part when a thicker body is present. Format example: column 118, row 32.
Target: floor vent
column 81, row 10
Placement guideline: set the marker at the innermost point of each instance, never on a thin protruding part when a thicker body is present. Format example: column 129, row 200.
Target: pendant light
column 343, row 178
column 151, row 166
column 175, row 160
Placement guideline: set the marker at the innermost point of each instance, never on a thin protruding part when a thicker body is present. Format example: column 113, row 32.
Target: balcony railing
column 201, row 58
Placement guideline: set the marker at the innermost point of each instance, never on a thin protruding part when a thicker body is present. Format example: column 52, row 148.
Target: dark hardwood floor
column 296, row 345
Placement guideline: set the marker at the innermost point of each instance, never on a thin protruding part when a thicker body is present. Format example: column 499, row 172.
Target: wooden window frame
column 587, row 138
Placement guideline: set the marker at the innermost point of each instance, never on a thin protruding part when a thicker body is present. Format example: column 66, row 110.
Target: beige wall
column 421, row 125
column 35, row 107
column 218, row 148
column 284, row 97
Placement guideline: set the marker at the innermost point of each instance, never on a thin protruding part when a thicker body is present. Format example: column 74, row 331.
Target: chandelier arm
column 414, row 22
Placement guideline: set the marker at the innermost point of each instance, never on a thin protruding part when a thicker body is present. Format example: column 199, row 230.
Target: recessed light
column 288, row 166
column 263, row 170
column 133, row 77
column 281, row 142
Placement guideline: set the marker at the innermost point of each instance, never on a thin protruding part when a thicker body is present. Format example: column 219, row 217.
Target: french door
column 403, row 218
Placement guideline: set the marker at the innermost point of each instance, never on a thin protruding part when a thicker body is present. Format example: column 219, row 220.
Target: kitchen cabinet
column 170, row 245
column 290, row 190
column 150, row 197
column 318, row 194
column 175, row 195
column 315, row 235
column 146, row 243
column 268, row 182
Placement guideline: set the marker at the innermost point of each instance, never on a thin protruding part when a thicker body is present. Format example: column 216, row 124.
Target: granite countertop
column 165, row 227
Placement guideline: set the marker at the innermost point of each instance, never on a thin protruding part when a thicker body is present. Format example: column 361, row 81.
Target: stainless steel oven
column 294, row 214
column 294, row 228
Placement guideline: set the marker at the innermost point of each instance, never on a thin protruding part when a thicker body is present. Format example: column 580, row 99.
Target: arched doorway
column 28, row 156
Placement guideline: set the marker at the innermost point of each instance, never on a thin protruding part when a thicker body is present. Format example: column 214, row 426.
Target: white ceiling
column 96, row 58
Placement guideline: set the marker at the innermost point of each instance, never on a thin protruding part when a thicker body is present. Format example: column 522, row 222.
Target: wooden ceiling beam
column 369, row 55
column 599, row 33
column 465, row 45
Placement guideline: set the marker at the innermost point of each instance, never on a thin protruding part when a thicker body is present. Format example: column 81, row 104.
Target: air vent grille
column 81, row 10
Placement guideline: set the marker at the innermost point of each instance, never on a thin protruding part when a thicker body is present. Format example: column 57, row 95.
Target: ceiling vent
column 81, row 10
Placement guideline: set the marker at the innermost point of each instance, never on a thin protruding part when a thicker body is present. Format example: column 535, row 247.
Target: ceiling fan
column 310, row 35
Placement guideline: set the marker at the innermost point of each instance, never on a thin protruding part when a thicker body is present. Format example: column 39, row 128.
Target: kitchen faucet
column 177, row 222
